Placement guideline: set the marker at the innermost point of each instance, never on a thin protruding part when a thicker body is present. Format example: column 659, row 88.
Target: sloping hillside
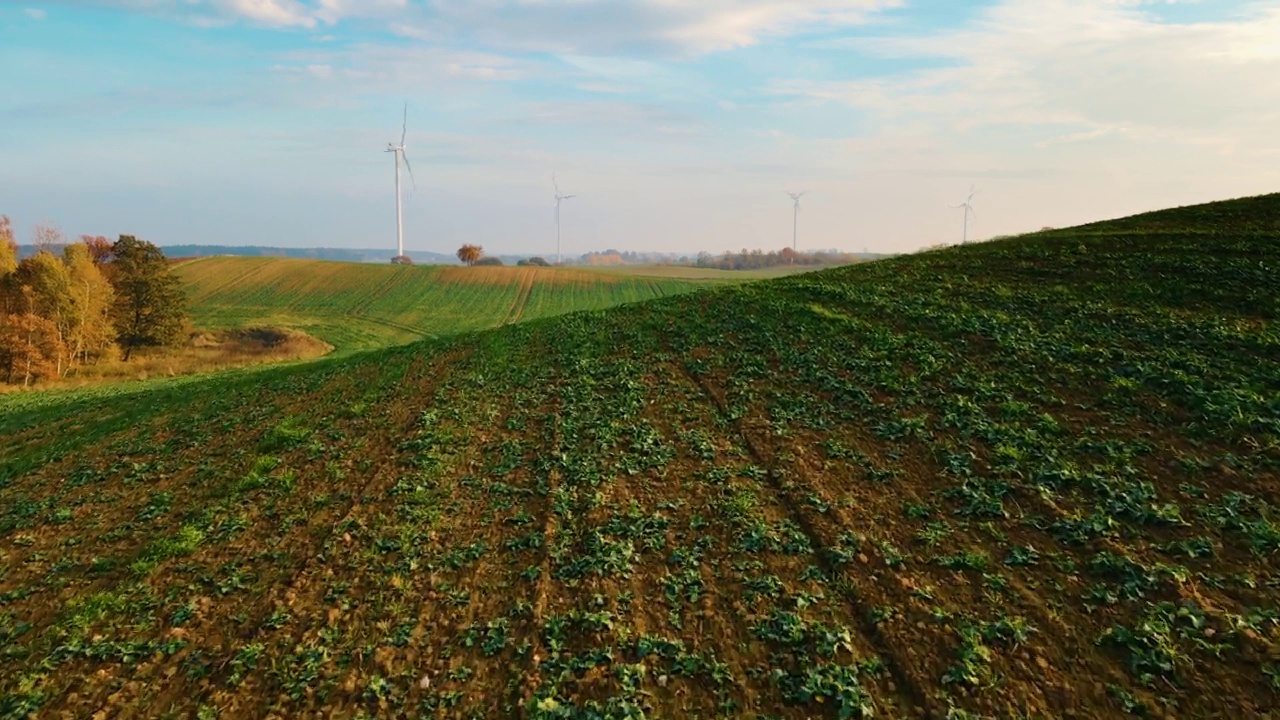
column 361, row 306
column 1030, row 478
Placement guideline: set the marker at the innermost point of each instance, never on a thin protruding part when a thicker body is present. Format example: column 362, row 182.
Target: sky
column 679, row 124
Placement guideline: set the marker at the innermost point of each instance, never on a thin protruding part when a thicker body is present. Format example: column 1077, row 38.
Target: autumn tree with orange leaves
column 99, row 248
column 470, row 254
column 59, row 311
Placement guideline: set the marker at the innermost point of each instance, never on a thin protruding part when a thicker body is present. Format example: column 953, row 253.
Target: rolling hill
column 1036, row 477
column 362, row 306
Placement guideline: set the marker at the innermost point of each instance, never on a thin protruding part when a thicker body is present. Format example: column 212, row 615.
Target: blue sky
column 680, row 125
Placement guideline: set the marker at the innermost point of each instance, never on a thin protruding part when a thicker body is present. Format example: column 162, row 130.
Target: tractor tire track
column 532, row 677
column 119, row 704
column 523, row 294
column 389, row 323
column 893, row 660
column 401, row 412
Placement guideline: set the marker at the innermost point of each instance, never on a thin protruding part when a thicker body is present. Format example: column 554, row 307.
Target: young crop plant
column 969, row 560
column 978, row 643
column 479, row 523
column 1154, row 646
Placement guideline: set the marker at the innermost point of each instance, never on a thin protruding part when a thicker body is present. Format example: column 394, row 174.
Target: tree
column 150, row 308
column 402, row 260
column 99, row 248
column 490, row 260
column 470, row 254
column 48, row 237
column 41, row 286
column 29, row 347
column 93, row 333
column 534, row 261
column 8, row 248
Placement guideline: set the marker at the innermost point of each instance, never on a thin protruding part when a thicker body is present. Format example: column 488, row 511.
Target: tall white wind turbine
column 398, row 151
column 559, row 198
column 968, row 209
column 795, row 215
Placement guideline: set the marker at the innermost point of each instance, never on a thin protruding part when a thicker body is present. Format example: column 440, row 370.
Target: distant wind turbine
column 559, row 198
column 968, row 209
column 795, row 215
column 398, row 150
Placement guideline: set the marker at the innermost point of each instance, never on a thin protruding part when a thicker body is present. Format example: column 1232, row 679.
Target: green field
column 1030, row 478
column 685, row 272
column 362, row 306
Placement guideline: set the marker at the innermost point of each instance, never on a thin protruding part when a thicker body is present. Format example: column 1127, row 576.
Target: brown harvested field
column 710, row 274
column 507, row 275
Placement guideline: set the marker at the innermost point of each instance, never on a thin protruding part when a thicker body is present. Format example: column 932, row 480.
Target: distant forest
column 743, row 260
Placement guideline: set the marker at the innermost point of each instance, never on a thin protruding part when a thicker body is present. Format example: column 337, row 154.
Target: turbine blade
column 404, row 131
column 555, row 184
column 568, row 197
column 409, row 168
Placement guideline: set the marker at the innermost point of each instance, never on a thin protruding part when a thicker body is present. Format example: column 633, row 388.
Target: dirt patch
column 238, row 346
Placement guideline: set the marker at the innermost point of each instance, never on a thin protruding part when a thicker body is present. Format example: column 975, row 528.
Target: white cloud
column 273, row 12
column 1094, row 68
column 630, row 26
column 35, row 13
column 1063, row 111
column 614, row 119
column 562, row 26
column 390, row 69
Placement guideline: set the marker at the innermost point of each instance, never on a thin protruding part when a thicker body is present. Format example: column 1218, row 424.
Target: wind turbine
column 795, row 215
column 968, row 208
column 559, row 198
column 398, row 150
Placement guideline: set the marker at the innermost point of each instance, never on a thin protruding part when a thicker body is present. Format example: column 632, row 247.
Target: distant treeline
column 756, row 259
column 744, row 260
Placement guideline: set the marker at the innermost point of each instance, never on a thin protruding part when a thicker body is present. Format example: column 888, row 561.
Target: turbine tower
column 968, row 208
column 398, row 151
column 559, row 198
column 795, row 216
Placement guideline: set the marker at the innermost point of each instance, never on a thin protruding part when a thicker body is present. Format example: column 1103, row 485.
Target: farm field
column 356, row 306
column 1035, row 477
column 708, row 274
